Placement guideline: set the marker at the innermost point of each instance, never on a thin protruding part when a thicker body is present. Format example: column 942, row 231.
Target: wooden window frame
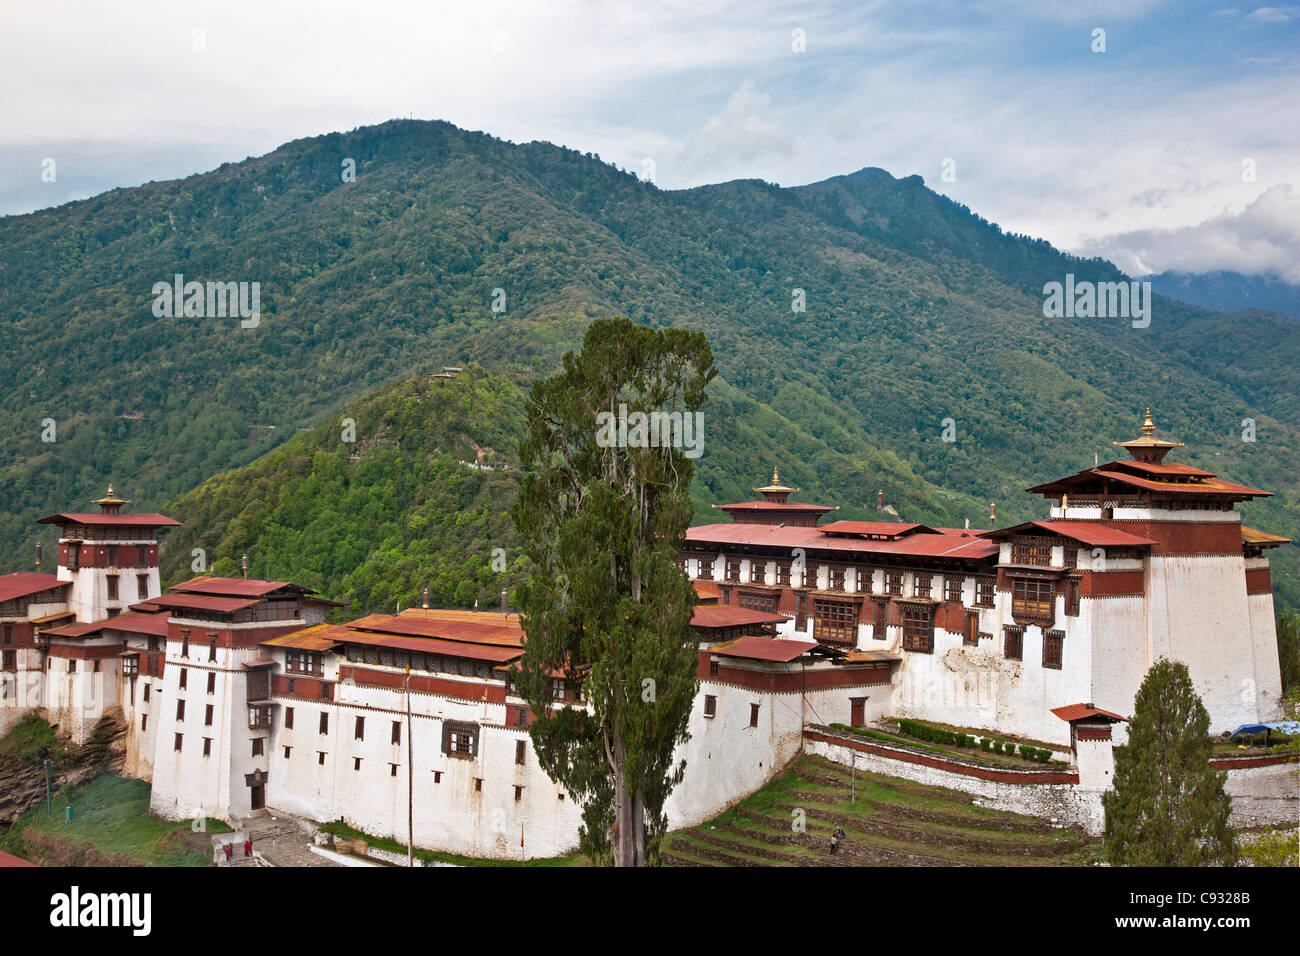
column 706, row 569
column 207, row 715
column 732, row 570
column 1033, row 601
column 894, row 583
column 324, row 725
column 521, row 751
column 918, row 628
column 783, row 572
column 1073, row 595
column 710, row 705
column 1053, row 649
column 753, row 715
column 970, row 633
column 259, row 746
column 1013, row 639
column 922, row 585
column 835, row 622
column 288, row 718
column 986, row 591
column 835, row 575
column 359, row 729
column 952, row 588
column 757, row 572
column 396, row 737
column 880, row 619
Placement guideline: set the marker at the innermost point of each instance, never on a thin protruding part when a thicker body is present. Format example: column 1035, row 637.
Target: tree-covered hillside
column 917, row 312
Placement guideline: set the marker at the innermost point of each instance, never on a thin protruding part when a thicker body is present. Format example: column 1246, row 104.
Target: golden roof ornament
column 1148, row 448
column 776, row 487
column 111, row 504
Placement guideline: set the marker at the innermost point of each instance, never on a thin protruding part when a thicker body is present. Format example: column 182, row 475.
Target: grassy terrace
column 111, row 827
column 893, row 823
column 342, row 831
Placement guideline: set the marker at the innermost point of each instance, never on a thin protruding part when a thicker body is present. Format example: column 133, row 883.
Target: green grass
column 31, row 740
column 970, row 753
column 889, row 821
column 111, row 815
column 341, row 829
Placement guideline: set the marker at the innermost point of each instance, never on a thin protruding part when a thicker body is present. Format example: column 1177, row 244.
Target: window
column 757, row 600
column 74, row 553
column 880, row 628
column 519, row 793
column 142, row 557
column 863, row 582
column 288, row 718
column 918, row 628
column 286, row 752
column 207, row 716
column 970, row 633
column 557, row 688
column 180, row 710
column 733, row 569
column 176, row 744
column 1034, row 553
column 142, row 586
column 361, row 729
column 392, row 770
column 521, row 750
column 6, row 633
column 758, row 571
column 112, row 555
column 111, row 580
column 921, row 585
column 801, row 612
column 1072, row 590
column 835, row 577
column 521, row 716
column 324, row 691
column 397, row 732
column 894, row 582
column 207, row 746
column 952, row 589
column 710, row 705
column 835, row 622
column 212, row 648
column 258, row 746
column 184, row 678
column 303, row 662
column 478, row 784
column 320, row 758
column 783, row 573
column 9, row 660
column 72, row 665
column 1070, row 553
column 212, row 682
column 356, row 763
column 713, row 668
column 984, row 591
column 291, row 686
column 146, row 692
column 1053, row 642
column 460, row 740
column 324, row 722
column 753, row 715
column 1012, row 638
column 185, row 643
column 437, row 776
column 706, row 569
column 1032, row 600
column 144, row 722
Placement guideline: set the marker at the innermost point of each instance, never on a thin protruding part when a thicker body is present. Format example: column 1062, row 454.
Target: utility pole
column 49, row 800
column 853, row 778
column 410, row 778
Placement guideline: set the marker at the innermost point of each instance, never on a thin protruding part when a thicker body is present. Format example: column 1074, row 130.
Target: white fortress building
column 238, row 695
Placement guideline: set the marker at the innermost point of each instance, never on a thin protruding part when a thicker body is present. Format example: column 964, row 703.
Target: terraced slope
column 892, row 823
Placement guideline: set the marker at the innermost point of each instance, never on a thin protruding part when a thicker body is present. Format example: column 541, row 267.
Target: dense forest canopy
column 916, row 312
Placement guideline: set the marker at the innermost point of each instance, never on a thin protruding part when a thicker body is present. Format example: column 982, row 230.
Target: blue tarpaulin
column 1289, row 728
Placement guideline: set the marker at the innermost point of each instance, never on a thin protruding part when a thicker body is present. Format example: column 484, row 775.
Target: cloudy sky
column 1171, row 140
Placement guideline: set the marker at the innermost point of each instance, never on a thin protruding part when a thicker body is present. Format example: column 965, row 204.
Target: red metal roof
column 319, row 637
column 727, row 615
column 429, row 645
column 707, row 589
column 776, row 506
column 1207, row 487
column 155, row 625
column 1075, row 712
column 234, row 587
column 491, row 629
column 22, row 583
column 1160, row 468
column 80, row 629
column 132, row 521
column 890, row 529
column 763, row 649
column 202, row 602
column 1087, row 532
column 948, row 543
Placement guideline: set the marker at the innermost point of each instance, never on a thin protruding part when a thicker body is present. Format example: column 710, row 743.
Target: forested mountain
column 1228, row 291
column 916, row 311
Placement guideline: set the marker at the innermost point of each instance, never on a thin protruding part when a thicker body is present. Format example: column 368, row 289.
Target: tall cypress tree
column 1168, row 807
column 605, row 606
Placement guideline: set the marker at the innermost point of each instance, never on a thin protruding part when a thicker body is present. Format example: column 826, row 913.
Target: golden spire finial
column 1148, row 426
column 110, row 489
column 776, row 476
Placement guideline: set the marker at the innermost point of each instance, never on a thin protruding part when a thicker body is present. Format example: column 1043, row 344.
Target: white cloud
column 1262, row 239
column 743, row 132
column 1272, row 14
